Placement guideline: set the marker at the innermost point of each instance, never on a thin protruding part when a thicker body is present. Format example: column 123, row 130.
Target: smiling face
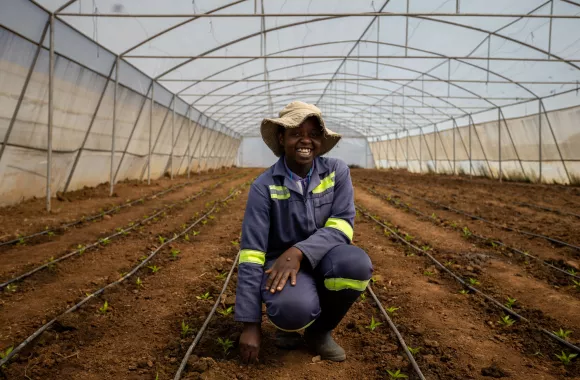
column 302, row 144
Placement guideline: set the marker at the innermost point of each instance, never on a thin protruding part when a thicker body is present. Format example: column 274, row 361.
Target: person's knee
column 347, row 267
column 293, row 312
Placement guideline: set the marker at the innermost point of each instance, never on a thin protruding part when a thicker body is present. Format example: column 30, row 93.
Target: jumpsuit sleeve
column 339, row 227
column 254, row 244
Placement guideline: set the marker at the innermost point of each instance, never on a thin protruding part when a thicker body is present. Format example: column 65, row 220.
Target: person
column 296, row 247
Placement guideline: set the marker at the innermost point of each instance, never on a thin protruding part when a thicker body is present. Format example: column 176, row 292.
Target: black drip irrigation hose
column 73, row 308
column 206, row 322
column 476, row 217
column 554, row 210
column 397, row 333
column 83, row 249
column 480, row 237
column 466, row 285
column 112, row 210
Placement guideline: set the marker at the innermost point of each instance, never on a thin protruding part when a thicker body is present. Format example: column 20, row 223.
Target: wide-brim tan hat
column 292, row 116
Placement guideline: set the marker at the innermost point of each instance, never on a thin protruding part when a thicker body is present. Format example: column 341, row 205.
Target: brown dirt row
column 552, row 309
column 495, row 206
column 30, row 216
column 47, row 294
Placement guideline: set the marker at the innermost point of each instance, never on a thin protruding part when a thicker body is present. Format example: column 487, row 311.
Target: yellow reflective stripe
column 325, row 184
column 252, row 256
column 279, row 192
column 341, row 225
column 345, row 283
column 301, row 328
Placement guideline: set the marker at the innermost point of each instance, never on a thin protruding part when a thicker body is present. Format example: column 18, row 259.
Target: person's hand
column 286, row 266
column 250, row 342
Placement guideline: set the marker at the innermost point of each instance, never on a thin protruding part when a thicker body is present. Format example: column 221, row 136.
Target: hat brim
column 293, row 119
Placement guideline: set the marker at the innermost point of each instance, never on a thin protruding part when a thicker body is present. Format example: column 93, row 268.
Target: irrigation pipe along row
column 112, row 210
column 468, row 286
column 83, row 249
column 476, row 217
column 112, row 284
column 397, row 333
column 481, row 237
column 554, row 210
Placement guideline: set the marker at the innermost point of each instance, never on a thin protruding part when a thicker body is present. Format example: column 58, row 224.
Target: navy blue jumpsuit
column 319, row 221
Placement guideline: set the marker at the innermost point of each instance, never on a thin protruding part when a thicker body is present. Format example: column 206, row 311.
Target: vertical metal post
column 556, row 143
column 114, row 131
column 470, row 150
column 550, row 32
column 540, row 139
column 499, row 142
column 150, row 132
column 407, row 30
column 407, row 149
column 396, row 149
column 188, row 139
column 50, row 114
column 454, row 155
column 435, row 147
column 172, row 138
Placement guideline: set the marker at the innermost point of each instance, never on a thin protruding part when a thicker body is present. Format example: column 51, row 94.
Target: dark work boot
column 324, row 345
column 288, row 340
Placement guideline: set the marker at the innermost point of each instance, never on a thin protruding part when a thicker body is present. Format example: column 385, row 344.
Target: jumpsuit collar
column 318, row 169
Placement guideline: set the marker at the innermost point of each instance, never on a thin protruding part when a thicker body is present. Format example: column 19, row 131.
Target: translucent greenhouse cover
column 421, row 63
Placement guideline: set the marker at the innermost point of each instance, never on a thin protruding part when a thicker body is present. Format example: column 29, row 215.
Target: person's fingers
column 293, row 277
column 276, row 281
column 283, row 280
column 271, row 278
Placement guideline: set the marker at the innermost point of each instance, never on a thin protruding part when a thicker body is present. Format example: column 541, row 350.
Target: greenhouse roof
column 373, row 67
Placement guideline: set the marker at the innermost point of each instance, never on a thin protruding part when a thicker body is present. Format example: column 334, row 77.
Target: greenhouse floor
column 160, row 255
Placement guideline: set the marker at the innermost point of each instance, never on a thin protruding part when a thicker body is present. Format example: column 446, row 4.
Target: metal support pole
column 222, row 157
column 407, row 149
column 499, row 142
column 556, row 143
column 202, row 133
column 114, row 131
column 540, row 139
column 513, row 144
column 50, row 114
column 396, row 148
column 150, row 132
column 435, row 146
column 188, row 141
column 550, row 32
column 190, row 154
column 155, row 143
column 220, row 137
column 172, row 138
column 470, row 151
column 169, row 164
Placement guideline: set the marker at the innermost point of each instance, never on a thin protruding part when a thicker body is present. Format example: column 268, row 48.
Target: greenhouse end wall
column 550, row 135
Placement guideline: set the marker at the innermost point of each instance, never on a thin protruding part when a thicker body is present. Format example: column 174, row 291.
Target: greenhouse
column 133, row 136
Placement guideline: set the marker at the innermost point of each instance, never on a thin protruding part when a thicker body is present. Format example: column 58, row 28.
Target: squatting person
column 298, row 227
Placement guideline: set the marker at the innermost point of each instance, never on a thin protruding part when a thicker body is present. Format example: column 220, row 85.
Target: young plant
column 204, row 222
column 374, row 324
column 572, row 271
column 186, row 238
column 226, row 312
column 563, row 333
column 449, row 263
column 5, row 353
column 195, row 233
column 473, row 281
column 154, row 268
column 139, row 282
column 426, row 248
column 464, row 291
column 433, row 216
column 204, row 297
column 374, row 280
column 175, row 253
column 466, row 232
column 183, row 226
column 81, row 248
column 226, row 344
column 50, row 234
column 105, row 241
column 454, row 224
column 576, row 284
column 408, row 238
column 143, row 258
column 428, row 273
column 566, row 358
column 185, row 329
column 235, row 243
column 21, row 241
column 363, row 297
column 221, row 276
column 161, row 239
column 510, row 302
column 507, row 321
column 11, row 288
column 51, row 264
column 103, row 309
column 391, row 310
column 397, row 374
column 414, row 351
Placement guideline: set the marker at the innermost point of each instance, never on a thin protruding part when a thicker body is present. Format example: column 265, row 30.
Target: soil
column 142, row 335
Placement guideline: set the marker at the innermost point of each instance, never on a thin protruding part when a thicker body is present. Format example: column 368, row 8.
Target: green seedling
column 454, row 224
column 21, row 241
column 119, row 229
column 122, row 274
column 449, row 263
column 139, row 282
column 204, row 222
column 5, row 353
column 211, row 217
column 374, row 280
column 428, row 273
column 175, row 253
column 155, row 219
column 186, row 237
column 391, row 310
column 51, row 263
column 105, row 241
column 185, row 329
column 566, row 358
column 183, row 226
column 204, row 297
column 466, row 232
column 145, row 216
column 161, row 239
column 426, row 248
column 493, row 244
column 576, row 284
column 235, row 243
column 195, row 233
column 414, row 351
column 363, row 297
column 408, row 238
column 397, row 374
column 50, row 234
column 563, row 334
column 473, row 281
column 11, row 288
column 221, row 276
column 433, row 216
column 125, row 233
column 572, row 271
column 154, row 268
column 464, row 291
column 507, row 321
column 143, row 258
column 386, row 232
column 226, row 312
column 374, row 324
column 103, row 309
column 510, row 302
column 226, row 344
